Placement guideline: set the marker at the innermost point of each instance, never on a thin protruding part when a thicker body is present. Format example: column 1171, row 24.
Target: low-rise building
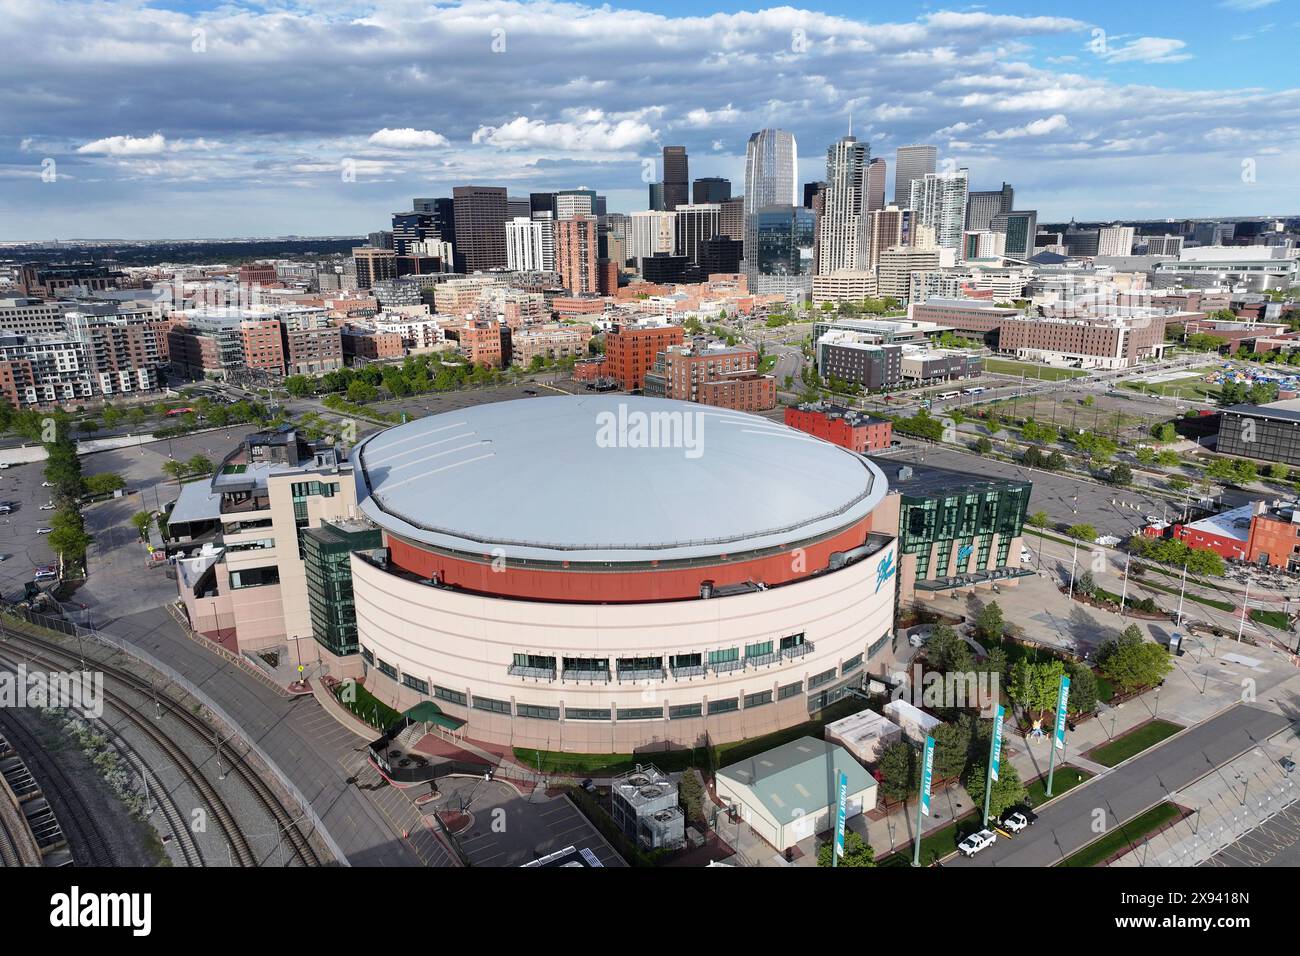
column 846, row 427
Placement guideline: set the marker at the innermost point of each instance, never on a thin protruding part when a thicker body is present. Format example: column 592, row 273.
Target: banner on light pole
column 995, row 757
column 1062, row 700
column 927, row 772
column 841, row 812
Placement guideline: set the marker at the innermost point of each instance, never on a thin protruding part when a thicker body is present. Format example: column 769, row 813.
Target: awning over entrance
column 428, row 712
column 972, row 579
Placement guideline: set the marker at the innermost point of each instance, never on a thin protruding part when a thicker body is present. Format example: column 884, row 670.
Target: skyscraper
column 530, row 243
column 657, row 198
column 677, row 177
column 575, row 202
column 695, row 224
column 982, row 206
column 939, row 202
column 480, row 227
column 1020, row 227
column 710, row 189
column 771, row 179
column 784, row 241
column 575, row 254
column 912, row 162
column 840, row 226
column 875, row 185
column 649, row 233
column 884, row 231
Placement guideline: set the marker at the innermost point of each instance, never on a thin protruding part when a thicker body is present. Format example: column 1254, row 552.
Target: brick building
column 630, row 351
column 842, row 426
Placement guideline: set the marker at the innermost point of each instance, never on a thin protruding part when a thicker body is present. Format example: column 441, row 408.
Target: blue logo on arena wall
column 963, row 553
column 885, row 570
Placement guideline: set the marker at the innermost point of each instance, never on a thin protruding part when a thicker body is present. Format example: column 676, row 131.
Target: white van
column 1026, row 556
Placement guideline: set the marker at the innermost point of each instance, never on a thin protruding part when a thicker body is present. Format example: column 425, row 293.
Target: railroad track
column 303, row 851
column 8, row 848
column 85, row 837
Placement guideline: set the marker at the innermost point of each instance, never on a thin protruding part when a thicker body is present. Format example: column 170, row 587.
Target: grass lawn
column 368, row 707
column 1134, row 742
column 1063, row 780
column 1044, row 372
column 1127, row 835
column 1105, row 690
column 1190, row 387
column 1277, row 619
column 1068, row 542
column 936, row 844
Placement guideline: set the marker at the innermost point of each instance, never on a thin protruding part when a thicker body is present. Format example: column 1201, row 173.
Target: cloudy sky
column 189, row 119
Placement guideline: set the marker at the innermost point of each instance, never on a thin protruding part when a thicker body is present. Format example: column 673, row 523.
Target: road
column 1066, row 824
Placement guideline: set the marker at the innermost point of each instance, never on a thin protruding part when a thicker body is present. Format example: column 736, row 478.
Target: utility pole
column 1123, row 598
column 1074, row 561
column 1182, row 590
column 1245, row 603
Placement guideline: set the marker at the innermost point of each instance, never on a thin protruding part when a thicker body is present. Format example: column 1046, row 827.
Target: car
column 1026, row 556
column 45, row 575
column 1287, row 764
column 6, row 509
column 1013, row 822
column 589, row 785
column 5, row 557
column 44, row 530
column 48, row 506
column 45, row 568
column 4, row 466
column 976, row 842
column 47, row 484
column 530, row 391
column 1023, row 809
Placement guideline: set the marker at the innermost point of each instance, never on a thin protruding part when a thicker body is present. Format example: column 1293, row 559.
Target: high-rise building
column 912, row 162
column 517, row 206
column 575, row 202
column 1020, row 227
column 783, row 241
column 731, row 222
column 657, row 197
column 541, row 202
column 374, row 265
column 677, row 177
column 884, row 231
column 810, row 191
column 896, row 268
column 875, row 198
column 576, row 254
column 771, row 179
column 650, row 232
column 939, row 201
column 710, row 189
column 443, row 211
column 480, row 227
column 983, row 205
column 530, row 244
column 1115, row 241
column 694, row 224
column 840, row 225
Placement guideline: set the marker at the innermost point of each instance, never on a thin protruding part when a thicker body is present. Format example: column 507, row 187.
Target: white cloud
column 126, row 146
column 1247, row 4
column 1147, row 50
column 1039, row 127
column 407, row 138
column 592, row 133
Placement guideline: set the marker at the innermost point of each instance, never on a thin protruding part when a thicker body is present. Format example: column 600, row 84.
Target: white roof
column 863, row 726
column 904, row 713
column 579, row 478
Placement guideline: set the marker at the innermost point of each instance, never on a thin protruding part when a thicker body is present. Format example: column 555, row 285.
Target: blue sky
column 189, row 120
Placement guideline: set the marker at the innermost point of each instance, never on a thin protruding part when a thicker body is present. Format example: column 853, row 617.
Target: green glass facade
column 326, row 553
column 962, row 521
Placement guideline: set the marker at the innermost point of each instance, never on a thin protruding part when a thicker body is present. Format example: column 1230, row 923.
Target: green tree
column 983, row 445
column 1120, row 474
column 1130, row 662
column 691, row 795
column 1081, row 532
column 141, row 520
column 1034, row 685
column 69, row 539
column 104, row 483
column 898, row 771
column 945, row 651
column 857, row 851
column 989, row 623
column 1007, row 789
column 1083, row 688
column 1039, row 519
column 952, row 743
column 173, row 468
column 199, row 465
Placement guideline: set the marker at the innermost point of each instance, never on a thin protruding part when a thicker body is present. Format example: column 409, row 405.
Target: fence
column 176, row 678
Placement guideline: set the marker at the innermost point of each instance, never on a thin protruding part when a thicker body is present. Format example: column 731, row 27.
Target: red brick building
column 727, row 378
column 630, row 351
column 842, row 426
column 371, row 346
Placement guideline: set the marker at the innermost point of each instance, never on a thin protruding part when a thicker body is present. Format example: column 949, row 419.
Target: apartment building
column 726, row 377
column 846, row 427
column 630, row 351
column 844, row 285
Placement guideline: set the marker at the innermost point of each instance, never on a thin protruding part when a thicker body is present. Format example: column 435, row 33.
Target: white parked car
column 47, row 484
column 1014, row 822
column 1026, row 556
column 48, row 506
column 5, row 465
column 44, row 530
column 976, row 842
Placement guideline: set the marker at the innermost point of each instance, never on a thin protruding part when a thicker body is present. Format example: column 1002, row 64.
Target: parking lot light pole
column 1245, row 604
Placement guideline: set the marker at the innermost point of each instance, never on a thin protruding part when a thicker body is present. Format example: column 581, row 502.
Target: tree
column 952, row 742
column 1033, row 685
column 1279, row 472
column 1164, row 432
column 1178, row 483
column 1121, row 474
column 983, row 445
column 173, row 468
column 1083, row 688
column 141, row 520
column 1085, row 584
column 898, row 771
column 1132, row 664
column 69, row 539
column 199, row 465
column 1145, row 455
column 1007, row 789
column 1081, row 532
column 104, row 483
column 1168, row 459
column 1039, row 519
column 945, row 651
column 989, row 623
column 857, row 851
column 691, row 795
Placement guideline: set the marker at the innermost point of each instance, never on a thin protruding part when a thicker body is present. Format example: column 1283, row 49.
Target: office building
column 693, row 225
column 677, row 177
column 875, row 185
column 1115, row 241
column 710, row 189
column 373, row 265
column 782, row 242
column 1020, row 228
column 983, row 205
column 840, row 226
column 630, row 351
column 846, row 427
column 530, row 244
column 480, row 214
column 650, row 233
column 771, row 179
column 576, row 254
column 912, row 162
column 939, row 202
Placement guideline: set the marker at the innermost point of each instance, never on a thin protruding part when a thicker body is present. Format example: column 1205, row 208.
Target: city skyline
column 1078, row 114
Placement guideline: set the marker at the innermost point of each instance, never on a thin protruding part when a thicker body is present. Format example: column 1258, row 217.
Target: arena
column 618, row 574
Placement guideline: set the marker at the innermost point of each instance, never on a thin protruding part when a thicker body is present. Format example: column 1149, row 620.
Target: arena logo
column 961, row 690
column 640, row 429
column 81, row 691
column 885, row 570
